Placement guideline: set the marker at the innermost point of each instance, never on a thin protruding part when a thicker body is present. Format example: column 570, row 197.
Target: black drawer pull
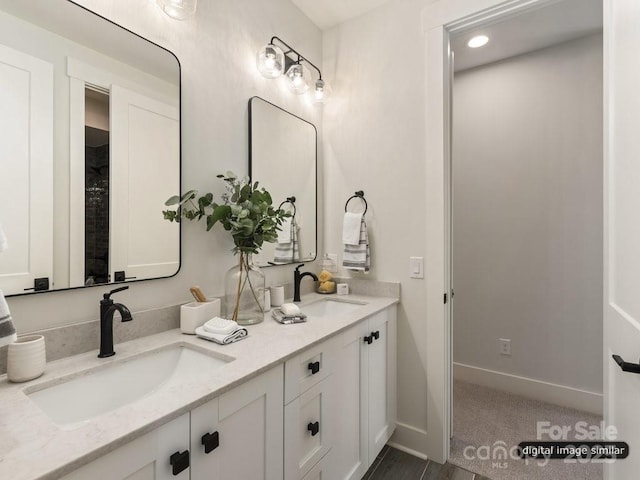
column 626, row 366
column 376, row 334
column 314, row 428
column 211, row 441
column 179, row 461
column 314, row 367
column 368, row 340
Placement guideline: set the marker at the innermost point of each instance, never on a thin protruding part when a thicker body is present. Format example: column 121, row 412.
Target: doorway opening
column 97, row 168
column 526, row 237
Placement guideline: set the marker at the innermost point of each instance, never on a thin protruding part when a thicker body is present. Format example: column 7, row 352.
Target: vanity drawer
column 319, row 471
column 307, row 430
column 308, row 369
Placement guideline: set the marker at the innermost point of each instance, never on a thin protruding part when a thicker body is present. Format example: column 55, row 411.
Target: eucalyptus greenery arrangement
column 246, row 212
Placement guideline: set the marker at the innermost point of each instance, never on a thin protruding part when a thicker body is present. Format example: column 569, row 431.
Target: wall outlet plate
column 505, row 346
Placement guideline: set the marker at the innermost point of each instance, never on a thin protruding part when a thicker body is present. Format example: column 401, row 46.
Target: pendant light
column 270, row 61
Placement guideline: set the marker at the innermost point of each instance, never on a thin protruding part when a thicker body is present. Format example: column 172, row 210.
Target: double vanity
column 304, row 401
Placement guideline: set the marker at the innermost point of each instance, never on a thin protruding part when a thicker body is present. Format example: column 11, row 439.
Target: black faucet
column 297, row 278
column 107, row 309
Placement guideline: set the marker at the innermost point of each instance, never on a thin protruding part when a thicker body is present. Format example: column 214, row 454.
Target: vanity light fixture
column 478, row 41
column 178, row 9
column 272, row 61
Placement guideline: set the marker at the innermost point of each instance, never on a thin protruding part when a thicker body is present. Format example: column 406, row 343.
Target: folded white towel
column 4, row 244
column 239, row 334
column 290, row 309
column 7, row 330
column 358, row 257
column 220, row 326
column 351, row 228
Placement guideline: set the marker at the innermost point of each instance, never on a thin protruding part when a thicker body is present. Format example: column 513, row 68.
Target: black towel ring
column 359, row 194
column 292, row 201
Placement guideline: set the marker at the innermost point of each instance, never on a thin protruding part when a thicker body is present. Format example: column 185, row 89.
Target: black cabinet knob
column 376, row 334
column 211, row 441
column 627, row 366
column 314, row 428
column 314, row 367
column 179, row 461
column 368, row 340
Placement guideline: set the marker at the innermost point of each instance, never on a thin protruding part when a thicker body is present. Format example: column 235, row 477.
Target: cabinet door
column 205, row 434
column 349, row 408
column 250, row 424
column 146, row 458
column 381, row 374
column 308, row 432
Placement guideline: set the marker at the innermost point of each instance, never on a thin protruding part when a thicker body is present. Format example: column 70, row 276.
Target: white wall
column 216, row 49
column 374, row 132
column 527, row 248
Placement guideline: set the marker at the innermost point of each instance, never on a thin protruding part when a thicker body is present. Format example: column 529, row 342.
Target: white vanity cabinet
column 365, row 382
column 238, row 435
column 309, row 410
column 146, row 458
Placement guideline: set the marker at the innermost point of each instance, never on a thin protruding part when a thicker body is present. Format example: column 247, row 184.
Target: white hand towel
column 284, row 235
column 358, row 257
column 7, row 330
column 222, row 339
column 351, row 228
column 290, row 251
column 4, row 245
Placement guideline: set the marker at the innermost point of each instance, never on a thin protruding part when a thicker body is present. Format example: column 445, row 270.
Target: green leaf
column 172, row 201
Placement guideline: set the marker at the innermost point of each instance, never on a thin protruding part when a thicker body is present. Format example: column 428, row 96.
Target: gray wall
column 527, row 156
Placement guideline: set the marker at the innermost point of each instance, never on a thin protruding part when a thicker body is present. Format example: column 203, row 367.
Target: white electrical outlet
column 416, row 267
column 505, row 346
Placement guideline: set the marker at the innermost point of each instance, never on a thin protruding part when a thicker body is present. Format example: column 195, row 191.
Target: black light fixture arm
column 293, row 50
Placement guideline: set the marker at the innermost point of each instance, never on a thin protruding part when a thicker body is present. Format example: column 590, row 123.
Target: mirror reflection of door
column 96, row 204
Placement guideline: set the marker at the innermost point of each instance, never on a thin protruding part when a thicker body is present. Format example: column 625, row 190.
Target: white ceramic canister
column 26, row 358
column 277, row 296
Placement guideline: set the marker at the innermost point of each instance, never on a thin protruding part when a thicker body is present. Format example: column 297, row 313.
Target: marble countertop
column 33, row 447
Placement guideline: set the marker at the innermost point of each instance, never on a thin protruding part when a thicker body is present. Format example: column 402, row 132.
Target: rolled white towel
column 220, row 326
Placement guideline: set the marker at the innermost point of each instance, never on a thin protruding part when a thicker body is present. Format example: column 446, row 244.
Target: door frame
column 440, row 20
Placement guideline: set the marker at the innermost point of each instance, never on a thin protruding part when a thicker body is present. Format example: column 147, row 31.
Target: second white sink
column 330, row 308
column 71, row 403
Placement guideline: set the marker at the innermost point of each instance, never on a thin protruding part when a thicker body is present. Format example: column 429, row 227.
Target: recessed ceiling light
column 478, row 41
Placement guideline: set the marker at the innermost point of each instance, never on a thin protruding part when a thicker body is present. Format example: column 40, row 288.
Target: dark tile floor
column 393, row 464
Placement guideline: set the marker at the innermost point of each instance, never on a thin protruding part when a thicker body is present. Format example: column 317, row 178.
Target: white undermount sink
column 330, row 308
column 81, row 398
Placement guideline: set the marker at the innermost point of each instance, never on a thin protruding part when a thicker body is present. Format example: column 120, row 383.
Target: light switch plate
column 416, row 267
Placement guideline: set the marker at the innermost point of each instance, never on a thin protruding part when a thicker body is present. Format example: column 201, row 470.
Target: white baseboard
column 409, row 439
column 528, row 387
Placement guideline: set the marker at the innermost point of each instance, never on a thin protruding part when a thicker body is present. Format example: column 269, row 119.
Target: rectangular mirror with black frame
column 89, row 150
column 283, row 159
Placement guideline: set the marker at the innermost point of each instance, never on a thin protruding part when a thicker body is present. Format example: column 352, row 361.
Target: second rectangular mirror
column 283, row 158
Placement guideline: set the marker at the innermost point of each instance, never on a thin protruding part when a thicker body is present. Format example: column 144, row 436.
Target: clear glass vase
column 244, row 287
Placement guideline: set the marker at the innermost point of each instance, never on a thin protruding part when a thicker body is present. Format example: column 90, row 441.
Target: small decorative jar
column 26, row 358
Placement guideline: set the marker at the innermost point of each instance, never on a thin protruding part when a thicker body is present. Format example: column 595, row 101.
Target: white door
column 622, row 228
column 145, row 141
column 26, row 169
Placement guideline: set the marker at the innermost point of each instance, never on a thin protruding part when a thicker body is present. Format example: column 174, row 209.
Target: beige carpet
column 483, row 416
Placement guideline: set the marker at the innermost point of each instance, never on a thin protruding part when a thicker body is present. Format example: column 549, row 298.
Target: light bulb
column 299, row 78
column 270, row 61
column 178, row 9
column 478, row 41
column 320, row 91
